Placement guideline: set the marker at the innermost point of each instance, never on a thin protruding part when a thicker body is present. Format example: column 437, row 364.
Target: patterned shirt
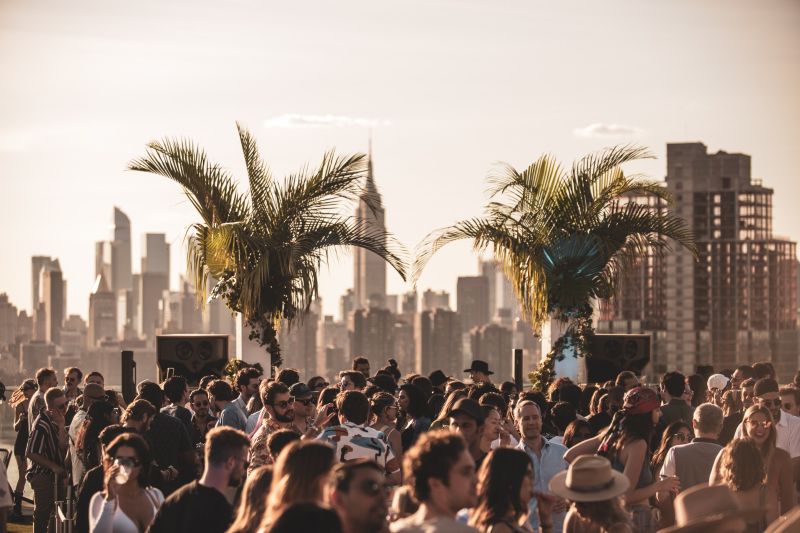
column 353, row 441
column 259, row 453
column 44, row 441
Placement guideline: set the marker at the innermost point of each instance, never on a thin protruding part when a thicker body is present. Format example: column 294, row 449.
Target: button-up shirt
column 550, row 463
column 788, row 434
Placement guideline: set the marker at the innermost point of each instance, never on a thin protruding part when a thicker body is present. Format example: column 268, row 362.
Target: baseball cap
column 717, row 381
column 469, row 407
column 300, row 390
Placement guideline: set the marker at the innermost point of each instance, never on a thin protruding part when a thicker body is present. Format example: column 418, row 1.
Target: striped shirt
column 43, row 441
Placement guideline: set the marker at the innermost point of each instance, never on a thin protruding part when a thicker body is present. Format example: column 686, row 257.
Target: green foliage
column 234, row 366
column 562, row 237
column 264, row 249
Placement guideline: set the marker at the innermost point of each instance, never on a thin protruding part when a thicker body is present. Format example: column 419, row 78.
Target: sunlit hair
column 499, row 481
column 666, row 443
column 298, row 477
column 603, row 514
column 18, row 396
column 571, row 433
column 253, row 501
column 742, row 465
column 772, row 438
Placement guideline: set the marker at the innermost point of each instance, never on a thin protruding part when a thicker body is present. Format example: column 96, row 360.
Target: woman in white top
column 128, row 504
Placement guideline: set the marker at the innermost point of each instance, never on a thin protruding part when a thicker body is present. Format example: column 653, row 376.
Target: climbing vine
column 577, row 335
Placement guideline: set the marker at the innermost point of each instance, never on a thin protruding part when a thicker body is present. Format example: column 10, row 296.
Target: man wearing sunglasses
column 47, row 446
column 304, row 408
column 278, row 414
column 766, row 394
column 358, row 495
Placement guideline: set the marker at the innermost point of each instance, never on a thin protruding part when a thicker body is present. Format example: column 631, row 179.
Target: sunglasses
column 305, row 401
column 130, row 462
column 766, row 403
column 61, row 406
column 765, row 424
column 284, row 404
column 682, row 437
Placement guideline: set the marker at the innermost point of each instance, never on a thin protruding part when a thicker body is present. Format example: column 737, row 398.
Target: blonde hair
column 769, row 445
column 297, row 476
column 253, row 501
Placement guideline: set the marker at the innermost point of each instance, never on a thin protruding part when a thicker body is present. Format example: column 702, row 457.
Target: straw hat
column 589, row 478
column 703, row 507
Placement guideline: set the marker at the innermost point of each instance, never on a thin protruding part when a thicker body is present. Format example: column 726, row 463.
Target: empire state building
column 370, row 270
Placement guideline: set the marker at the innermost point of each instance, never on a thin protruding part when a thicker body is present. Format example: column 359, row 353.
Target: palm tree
column 265, row 248
column 563, row 237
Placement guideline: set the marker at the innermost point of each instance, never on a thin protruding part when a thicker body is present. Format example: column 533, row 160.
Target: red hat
column 640, row 400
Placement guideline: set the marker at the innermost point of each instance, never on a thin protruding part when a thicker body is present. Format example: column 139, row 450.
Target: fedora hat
column 438, row 378
column 479, row 366
column 589, row 478
column 703, row 507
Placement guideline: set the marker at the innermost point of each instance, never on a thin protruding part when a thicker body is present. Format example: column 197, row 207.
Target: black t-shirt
column 193, row 508
column 168, row 440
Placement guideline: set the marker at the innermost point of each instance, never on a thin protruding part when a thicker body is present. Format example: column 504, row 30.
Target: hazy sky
column 448, row 87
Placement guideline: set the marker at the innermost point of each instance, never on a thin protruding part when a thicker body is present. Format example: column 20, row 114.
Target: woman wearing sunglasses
column 758, row 425
column 128, row 504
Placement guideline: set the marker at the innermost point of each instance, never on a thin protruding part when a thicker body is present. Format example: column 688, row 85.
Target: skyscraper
column 37, row 262
column 438, row 342
column 432, row 300
column 371, row 333
column 488, row 268
column 472, row 299
column 51, row 285
column 121, row 252
column 493, row 343
column 369, row 282
column 102, row 312
column 8, row 321
column 155, row 253
column 737, row 303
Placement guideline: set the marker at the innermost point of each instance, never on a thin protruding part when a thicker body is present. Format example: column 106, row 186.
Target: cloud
column 599, row 129
column 291, row 120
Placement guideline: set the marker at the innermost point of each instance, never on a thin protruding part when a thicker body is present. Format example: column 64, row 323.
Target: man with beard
column 202, row 505
column 278, row 414
column 359, row 496
column 441, row 473
column 202, row 420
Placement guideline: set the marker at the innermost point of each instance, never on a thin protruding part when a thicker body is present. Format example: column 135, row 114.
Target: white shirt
column 77, row 464
column 252, row 421
column 788, row 433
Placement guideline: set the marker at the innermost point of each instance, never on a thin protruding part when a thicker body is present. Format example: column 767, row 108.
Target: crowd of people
column 380, row 452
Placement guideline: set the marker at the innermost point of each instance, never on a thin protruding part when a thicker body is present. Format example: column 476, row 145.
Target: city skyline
column 448, row 104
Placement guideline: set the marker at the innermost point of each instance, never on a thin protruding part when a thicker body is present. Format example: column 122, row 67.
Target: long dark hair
column 449, row 401
column 499, row 481
column 625, row 428
column 416, row 400
column 666, row 443
column 88, row 441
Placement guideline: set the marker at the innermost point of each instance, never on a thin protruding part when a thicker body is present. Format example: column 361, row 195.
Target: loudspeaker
column 611, row 354
column 192, row 356
column 128, row 376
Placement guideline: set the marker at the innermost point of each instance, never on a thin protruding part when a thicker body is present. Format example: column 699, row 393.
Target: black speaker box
column 610, row 354
column 192, row 356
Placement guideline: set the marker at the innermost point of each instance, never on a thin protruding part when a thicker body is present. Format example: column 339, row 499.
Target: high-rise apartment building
column 332, row 346
column 369, row 284
column 438, row 342
column 409, row 303
column 151, row 289
column 737, row 303
column 472, row 301
column 102, row 313
column 121, row 252
column 299, row 344
column 489, row 269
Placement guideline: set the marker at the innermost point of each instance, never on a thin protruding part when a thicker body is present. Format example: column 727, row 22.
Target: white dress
column 108, row 516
